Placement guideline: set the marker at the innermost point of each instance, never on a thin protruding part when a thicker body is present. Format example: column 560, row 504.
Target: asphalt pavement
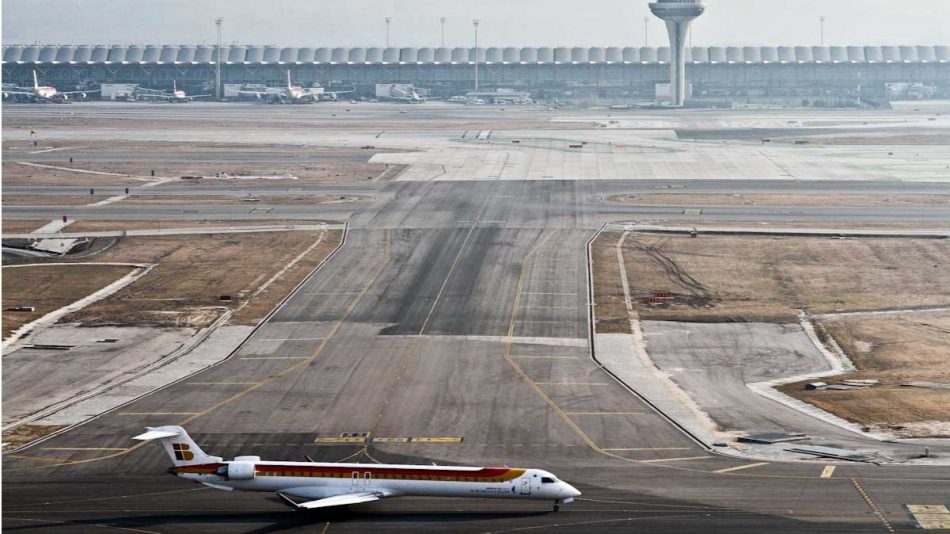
column 458, row 311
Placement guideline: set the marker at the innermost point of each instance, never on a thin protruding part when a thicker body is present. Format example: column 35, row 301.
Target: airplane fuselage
column 321, row 480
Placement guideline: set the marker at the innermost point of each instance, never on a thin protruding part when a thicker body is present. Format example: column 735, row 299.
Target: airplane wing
column 18, row 93
column 336, row 500
column 77, row 92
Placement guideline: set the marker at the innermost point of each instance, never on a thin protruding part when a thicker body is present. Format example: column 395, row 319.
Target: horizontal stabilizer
column 336, row 500
column 156, row 434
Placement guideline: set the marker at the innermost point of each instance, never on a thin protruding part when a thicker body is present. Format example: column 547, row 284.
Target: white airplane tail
column 179, row 445
column 289, row 86
column 36, row 83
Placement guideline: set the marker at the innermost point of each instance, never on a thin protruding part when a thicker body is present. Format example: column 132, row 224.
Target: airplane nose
column 571, row 491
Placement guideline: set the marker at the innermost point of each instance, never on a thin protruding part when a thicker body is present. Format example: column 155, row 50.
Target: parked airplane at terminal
column 292, row 94
column 310, row 485
column 45, row 93
column 176, row 96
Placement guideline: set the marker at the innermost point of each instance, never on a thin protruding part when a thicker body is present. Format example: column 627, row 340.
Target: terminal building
column 732, row 72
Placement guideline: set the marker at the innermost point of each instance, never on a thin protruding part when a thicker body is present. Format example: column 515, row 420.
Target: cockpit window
column 547, row 480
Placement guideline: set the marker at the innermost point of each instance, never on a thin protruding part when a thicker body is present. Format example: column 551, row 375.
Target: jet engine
column 237, row 470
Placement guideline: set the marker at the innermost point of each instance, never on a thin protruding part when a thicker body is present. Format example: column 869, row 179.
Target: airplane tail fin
column 174, row 87
column 289, row 86
column 36, row 82
column 179, row 445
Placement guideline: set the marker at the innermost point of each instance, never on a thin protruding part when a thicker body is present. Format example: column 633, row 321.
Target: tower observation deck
column 678, row 14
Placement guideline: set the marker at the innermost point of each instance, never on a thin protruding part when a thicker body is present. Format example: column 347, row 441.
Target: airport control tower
column 678, row 14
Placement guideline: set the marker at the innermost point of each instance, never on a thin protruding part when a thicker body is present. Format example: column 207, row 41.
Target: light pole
column 475, row 23
column 821, row 34
column 646, row 31
column 443, row 31
column 217, row 67
column 388, row 20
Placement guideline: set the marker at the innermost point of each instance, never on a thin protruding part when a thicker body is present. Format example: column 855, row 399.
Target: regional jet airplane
column 45, row 93
column 312, row 485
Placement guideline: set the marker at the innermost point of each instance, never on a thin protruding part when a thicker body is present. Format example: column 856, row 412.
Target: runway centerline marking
column 740, row 467
column 276, row 339
column 274, row 357
column 828, row 471
column 651, row 449
column 608, row 413
column 684, row 459
column 546, row 357
column 572, row 384
column 157, row 413
column 84, row 449
column 220, row 383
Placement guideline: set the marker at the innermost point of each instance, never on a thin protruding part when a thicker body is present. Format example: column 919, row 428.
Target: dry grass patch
column 24, row 434
column 51, row 200
column 757, row 199
column 896, row 349
column 194, row 273
column 762, row 278
column 109, row 226
column 611, row 310
column 16, row 174
column 50, row 287
column 14, row 226
column 248, row 199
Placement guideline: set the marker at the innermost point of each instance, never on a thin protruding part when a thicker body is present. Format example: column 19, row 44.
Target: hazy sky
column 503, row 22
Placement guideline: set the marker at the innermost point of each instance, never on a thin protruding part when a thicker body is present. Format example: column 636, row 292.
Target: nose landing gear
column 557, row 505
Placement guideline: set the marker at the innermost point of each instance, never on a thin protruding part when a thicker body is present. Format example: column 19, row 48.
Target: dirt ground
column 937, row 137
column 837, row 199
column 105, row 226
column 610, row 310
column 725, row 278
column 894, row 349
column 192, row 276
column 50, row 287
column 733, row 278
column 13, row 226
column 24, row 434
column 257, row 199
column 15, row 173
column 51, row 200
column 133, row 163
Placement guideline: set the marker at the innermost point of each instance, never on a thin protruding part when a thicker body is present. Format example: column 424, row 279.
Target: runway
column 456, row 311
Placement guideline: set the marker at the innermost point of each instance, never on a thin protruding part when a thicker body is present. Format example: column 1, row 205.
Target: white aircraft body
column 176, row 96
column 46, row 93
column 292, row 94
column 311, row 485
